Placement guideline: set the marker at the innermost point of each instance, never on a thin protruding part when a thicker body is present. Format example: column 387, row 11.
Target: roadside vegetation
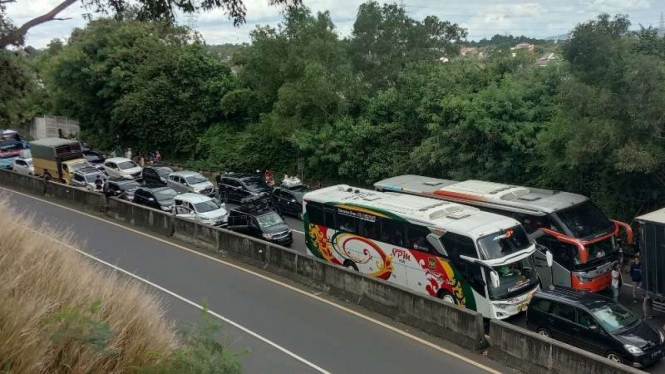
column 60, row 313
column 398, row 95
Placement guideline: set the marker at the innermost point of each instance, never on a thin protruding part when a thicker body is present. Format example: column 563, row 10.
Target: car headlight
column 267, row 235
column 662, row 337
column 633, row 349
column 166, row 208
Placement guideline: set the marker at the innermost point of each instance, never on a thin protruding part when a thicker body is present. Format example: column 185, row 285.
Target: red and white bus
column 581, row 238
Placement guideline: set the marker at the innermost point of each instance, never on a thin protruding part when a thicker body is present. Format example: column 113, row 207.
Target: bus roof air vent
column 458, row 215
column 433, row 183
column 451, row 211
column 529, row 197
column 515, row 193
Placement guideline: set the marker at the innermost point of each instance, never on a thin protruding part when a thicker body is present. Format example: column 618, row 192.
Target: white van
column 201, row 208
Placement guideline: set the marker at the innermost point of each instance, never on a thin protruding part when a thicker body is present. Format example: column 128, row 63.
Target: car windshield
column 515, row 279
column 195, row 179
column 78, row 166
column 91, row 156
column 129, row 186
column 164, row 171
column 90, row 178
column 206, row 206
column 255, row 184
column 614, row 317
column 164, row 194
column 585, row 220
column 504, row 243
column 597, row 254
column 269, row 219
column 299, row 192
column 127, row 165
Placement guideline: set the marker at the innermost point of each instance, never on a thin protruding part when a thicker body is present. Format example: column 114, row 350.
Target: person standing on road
column 616, row 281
column 98, row 183
column 128, row 154
column 158, row 157
column 636, row 276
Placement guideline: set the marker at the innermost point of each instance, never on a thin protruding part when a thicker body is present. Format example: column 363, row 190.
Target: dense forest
column 377, row 103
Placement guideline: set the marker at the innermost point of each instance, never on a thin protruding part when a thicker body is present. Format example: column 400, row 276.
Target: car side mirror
column 293, row 200
column 494, row 277
column 151, row 199
column 593, row 327
column 550, row 258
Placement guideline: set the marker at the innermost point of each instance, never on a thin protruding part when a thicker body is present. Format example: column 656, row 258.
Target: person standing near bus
column 636, row 276
column 616, row 281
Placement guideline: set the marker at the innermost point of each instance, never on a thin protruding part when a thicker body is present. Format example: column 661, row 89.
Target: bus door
column 560, row 273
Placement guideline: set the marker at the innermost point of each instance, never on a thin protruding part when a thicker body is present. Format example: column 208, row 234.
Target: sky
column 482, row 18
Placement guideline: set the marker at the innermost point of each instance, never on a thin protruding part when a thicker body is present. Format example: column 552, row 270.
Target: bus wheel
column 350, row 265
column 446, row 297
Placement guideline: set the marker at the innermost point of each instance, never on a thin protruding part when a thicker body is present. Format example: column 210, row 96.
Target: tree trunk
column 15, row 36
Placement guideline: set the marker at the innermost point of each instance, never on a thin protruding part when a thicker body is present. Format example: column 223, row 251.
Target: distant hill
column 225, row 51
column 559, row 37
column 507, row 41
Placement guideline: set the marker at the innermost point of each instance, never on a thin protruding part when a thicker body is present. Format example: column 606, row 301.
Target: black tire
column 613, row 356
column 544, row 332
column 350, row 265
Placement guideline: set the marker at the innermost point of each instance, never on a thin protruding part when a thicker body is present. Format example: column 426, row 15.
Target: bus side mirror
column 494, row 277
column 550, row 258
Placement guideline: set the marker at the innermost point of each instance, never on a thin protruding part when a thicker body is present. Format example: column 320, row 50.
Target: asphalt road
column 329, row 338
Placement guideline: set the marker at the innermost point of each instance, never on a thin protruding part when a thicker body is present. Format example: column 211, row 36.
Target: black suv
column 233, row 187
column 255, row 218
column 121, row 188
column 156, row 197
column 288, row 200
column 597, row 324
column 156, row 174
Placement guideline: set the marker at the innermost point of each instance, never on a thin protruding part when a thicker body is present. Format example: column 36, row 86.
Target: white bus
column 478, row 260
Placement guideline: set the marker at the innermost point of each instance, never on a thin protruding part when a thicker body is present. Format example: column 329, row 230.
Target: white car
column 190, row 181
column 120, row 167
column 201, row 208
column 23, row 166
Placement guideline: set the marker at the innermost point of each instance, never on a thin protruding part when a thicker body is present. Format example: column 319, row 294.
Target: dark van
column 597, row 324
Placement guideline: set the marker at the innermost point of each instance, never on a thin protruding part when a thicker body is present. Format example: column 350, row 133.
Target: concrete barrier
column 532, row 353
column 153, row 220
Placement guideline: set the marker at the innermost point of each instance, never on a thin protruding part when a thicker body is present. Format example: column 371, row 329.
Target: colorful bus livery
column 581, row 238
column 460, row 254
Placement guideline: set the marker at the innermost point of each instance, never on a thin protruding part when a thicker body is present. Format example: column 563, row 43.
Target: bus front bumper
column 502, row 309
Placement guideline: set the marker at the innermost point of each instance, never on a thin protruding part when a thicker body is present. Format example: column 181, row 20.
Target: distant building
column 525, row 46
column 547, row 59
column 53, row 127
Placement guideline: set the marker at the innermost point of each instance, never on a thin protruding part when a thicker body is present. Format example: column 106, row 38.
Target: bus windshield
column 515, row 279
column 585, row 220
column 597, row 254
column 504, row 243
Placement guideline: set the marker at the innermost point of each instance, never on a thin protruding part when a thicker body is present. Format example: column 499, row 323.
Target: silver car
column 190, row 181
column 85, row 178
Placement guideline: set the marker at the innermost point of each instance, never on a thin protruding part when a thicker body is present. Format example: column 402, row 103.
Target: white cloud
column 483, row 18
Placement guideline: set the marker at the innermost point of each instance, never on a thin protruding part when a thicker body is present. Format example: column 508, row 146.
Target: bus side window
column 315, row 213
column 369, row 229
column 329, row 217
column 392, row 232
column 346, row 223
column 417, row 239
column 563, row 253
column 457, row 245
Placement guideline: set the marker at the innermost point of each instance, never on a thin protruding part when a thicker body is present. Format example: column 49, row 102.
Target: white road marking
column 181, row 298
column 274, row 281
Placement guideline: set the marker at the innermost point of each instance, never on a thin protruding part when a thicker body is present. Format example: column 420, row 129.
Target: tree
column 146, row 10
column 385, row 39
column 149, row 83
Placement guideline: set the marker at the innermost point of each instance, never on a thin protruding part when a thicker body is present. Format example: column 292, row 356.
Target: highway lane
column 327, row 336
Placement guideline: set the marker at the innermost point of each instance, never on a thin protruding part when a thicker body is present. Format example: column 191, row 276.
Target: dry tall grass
column 48, row 292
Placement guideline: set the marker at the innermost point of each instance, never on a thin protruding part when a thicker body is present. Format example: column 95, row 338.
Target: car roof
column 88, row 170
column 118, row 159
column 155, row 188
column 253, row 213
column 185, row 173
column 587, row 299
column 240, row 175
column 121, row 180
column 193, row 197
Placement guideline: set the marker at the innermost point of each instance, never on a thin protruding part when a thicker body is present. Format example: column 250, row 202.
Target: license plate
column 522, row 307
